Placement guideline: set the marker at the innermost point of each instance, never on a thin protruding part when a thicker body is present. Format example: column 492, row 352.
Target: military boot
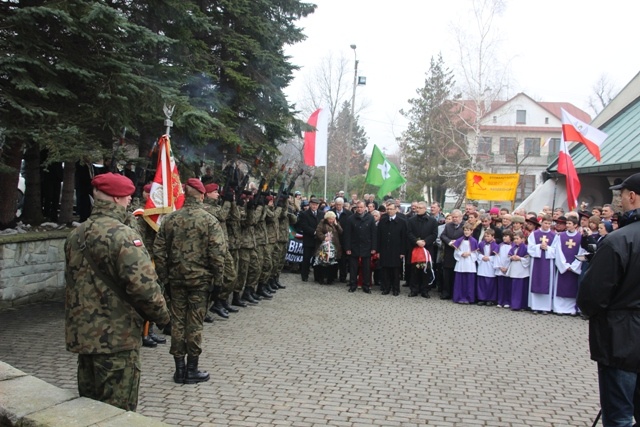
column 271, row 285
column 218, row 309
column 248, row 296
column 156, row 338
column 194, row 376
column 263, row 292
column 178, row 376
column 227, row 307
column 237, row 301
column 278, row 284
column 148, row 342
column 255, row 295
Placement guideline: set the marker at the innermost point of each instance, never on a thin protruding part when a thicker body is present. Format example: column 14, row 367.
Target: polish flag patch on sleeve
column 137, row 243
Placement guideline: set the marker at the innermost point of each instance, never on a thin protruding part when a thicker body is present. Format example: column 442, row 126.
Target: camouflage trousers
column 250, row 264
column 188, row 308
column 265, row 253
column 280, row 254
column 110, row 378
column 239, row 284
column 229, row 276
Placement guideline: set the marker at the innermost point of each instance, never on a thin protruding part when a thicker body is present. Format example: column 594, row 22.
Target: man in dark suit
column 359, row 244
column 452, row 232
column 342, row 216
column 486, row 224
column 422, row 232
column 307, row 222
column 391, row 245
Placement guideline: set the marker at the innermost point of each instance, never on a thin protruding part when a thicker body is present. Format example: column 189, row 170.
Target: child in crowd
column 542, row 253
column 519, row 272
column 464, row 284
column 487, row 249
column 501, row 264
column 567, row 246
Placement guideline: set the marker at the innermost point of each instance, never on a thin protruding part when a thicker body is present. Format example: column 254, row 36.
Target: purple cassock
column 486, row 280
column 519, row 273
column 567, row 285
column 542, row 266
column 464, row 284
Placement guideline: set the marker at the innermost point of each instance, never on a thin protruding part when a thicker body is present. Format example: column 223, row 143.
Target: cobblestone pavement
column 317, row 355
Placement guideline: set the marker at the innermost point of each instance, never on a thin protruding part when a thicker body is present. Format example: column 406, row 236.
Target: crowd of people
column 518, row 260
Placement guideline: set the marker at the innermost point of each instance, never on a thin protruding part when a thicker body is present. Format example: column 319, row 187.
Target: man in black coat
column 391, row 244
column 609, row 294
column 478, row 232
column 342, row 216
column 307, row 222
column 422, row 232
column 359, row 244
column 452, row 232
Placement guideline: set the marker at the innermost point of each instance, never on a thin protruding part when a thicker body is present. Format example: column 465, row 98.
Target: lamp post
column 350, row 133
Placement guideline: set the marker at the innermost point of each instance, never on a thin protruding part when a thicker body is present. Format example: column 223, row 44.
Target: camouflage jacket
column 221, row 212
column 234, row 229
column 190, row 247
column 286, row 217
column 273, row 219
column 96, row 319
column 261, row 225
column 249, row 218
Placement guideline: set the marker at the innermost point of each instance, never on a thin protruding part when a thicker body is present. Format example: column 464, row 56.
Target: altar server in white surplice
column 543, row 272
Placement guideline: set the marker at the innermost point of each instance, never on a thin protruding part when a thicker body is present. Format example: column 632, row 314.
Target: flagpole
column 326, row 172
column 568, row 181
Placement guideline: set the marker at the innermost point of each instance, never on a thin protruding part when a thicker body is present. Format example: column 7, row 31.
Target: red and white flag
column 566, row 167
column 574, row 130
column 166, row 193
column 315, row 142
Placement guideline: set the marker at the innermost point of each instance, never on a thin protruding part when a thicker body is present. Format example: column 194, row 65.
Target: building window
column 495, row 119
column 526, row 186
column 532, row 147
column 521, row 117
column 554, row 146
column 546, row 120
column 508, row 147
column 484, row 146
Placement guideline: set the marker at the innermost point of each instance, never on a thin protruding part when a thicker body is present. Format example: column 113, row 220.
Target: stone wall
column 31, row 268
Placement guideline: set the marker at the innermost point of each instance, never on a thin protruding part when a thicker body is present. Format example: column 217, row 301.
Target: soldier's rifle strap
column 82, row 245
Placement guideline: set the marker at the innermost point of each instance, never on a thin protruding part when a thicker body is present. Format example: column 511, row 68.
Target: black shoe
column 482, row 303
column 193, row 375
column 413, row 294
column 366, row 290
column 237, row 301
column 264, row 293
column 352, row 289
column 248, row 297
column 445, row 297
column 425, row 295
column 167, row 329
column 385, row 292
column 157, row 338
column 227, row 307
column 343, row 280
column 406, row 285
column 208, row 318
column 181, row 368
column 255, row 295
column 148, row 342
column 280, row 285
column 304, row 279
column 218, row 309
column 396, row 293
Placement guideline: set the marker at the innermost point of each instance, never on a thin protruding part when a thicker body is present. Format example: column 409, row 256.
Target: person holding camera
column 609, row 295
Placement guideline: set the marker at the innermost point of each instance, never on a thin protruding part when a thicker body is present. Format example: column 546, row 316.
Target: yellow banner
column 492, row 186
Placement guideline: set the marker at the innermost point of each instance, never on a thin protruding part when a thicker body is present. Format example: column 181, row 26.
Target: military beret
column 269, row 198
column 209, row 188
column 147, row 188
column 114, row 185
column 196, row 184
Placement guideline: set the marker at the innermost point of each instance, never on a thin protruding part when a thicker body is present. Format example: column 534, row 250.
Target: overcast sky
column 556, row 50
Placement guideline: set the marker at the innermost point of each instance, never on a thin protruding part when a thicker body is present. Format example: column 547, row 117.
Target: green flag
column 383, row 173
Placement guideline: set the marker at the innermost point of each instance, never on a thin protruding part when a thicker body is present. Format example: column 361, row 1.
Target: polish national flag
column 566, row 167
column 574, row 130
column 315, row 142
column 166, row 193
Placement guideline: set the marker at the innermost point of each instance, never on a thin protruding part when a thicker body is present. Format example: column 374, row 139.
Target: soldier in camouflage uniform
column 221, row 291
column 287, row 217
column 189, row 253
column 273, row 228
column 264, row 256
column 234, row 232
column 106, row 263
column 249, row 263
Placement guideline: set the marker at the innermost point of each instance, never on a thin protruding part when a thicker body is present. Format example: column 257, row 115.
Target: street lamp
column 350, row 133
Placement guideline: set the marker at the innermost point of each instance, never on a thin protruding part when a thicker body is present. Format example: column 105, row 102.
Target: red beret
column 196, row 184
column 114, row 185
column 147, row 188
column 269, row 198
column 211, row 187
